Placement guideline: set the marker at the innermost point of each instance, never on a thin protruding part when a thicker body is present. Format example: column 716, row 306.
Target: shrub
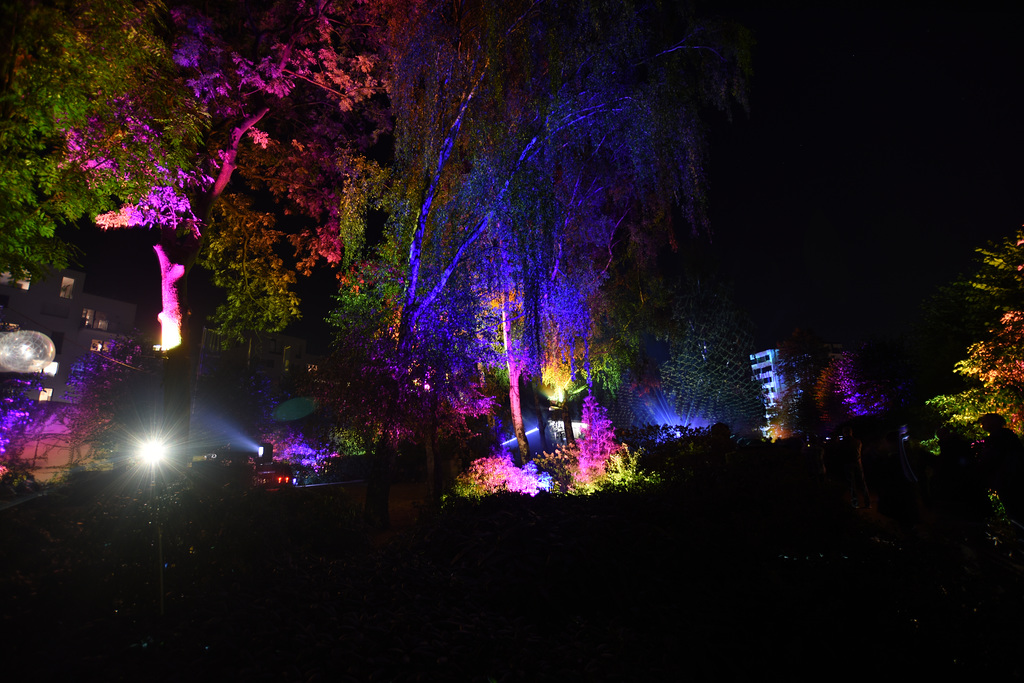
column 497, row 473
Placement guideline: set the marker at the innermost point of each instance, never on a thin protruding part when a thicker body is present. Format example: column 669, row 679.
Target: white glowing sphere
column 25, row 351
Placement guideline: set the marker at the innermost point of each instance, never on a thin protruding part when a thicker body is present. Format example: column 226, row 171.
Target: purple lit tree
column 539, row 141
column 111, row 405
column 873, row 380
column 16, row 415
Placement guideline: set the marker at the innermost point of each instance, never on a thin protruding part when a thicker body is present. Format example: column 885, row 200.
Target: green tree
column 68, row 67
column 978, row 320
column 279, row 90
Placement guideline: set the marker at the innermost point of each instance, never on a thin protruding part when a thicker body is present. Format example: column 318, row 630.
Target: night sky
column 880, row 150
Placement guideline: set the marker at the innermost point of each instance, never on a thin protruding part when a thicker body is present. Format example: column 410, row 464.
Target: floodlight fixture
column 153, row 452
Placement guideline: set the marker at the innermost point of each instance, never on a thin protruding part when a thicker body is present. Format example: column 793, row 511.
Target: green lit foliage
column 989, row 318
column 966, row 311
column 242, row 255
column 995, row 369
column 77, row 75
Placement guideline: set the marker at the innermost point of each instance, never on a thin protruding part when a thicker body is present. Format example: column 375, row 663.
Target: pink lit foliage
column 594, row 462
column 597, row 443
column 497, row 473
column 272, row 95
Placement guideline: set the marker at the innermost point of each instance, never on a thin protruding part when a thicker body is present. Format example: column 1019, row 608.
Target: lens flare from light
column 153, row 452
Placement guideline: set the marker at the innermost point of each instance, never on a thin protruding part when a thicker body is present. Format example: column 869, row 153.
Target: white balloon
column 25, row 351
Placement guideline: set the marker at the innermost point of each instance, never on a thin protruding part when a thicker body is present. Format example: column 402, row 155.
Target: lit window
column 45, row 394
column 88, row 316
column 96, row 345
column 67, row 287
column 101, row 320
column 51, row 369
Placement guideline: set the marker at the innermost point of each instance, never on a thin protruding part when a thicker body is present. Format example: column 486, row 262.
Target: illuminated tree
column 17, row 400
column 982, row 313
column 966, row 311
column 564, row 132
column 389, row 388
column 111, row 403
column 88, row 109
column 873, row 380
column 274, row 90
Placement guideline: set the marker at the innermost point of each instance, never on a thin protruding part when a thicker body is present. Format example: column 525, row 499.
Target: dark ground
column 747, row 569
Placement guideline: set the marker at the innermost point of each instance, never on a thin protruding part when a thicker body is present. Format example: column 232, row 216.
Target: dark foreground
column 745, row 570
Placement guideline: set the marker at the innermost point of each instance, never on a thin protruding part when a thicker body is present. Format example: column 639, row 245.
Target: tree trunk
column 435, row 476
column 567, row 421
column 542, row 415
column 517, row 413
column 514, row 373
column 176, row 254
column 378, row 486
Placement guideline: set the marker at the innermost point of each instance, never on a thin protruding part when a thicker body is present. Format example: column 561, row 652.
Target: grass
column 745, row 568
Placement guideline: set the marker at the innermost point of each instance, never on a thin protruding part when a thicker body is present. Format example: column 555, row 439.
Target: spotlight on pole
column 153, row 452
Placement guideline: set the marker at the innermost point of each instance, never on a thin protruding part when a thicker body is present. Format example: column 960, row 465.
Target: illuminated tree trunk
column 177, row 251
column 176, row 256
column 567, row 421
column 515, row 372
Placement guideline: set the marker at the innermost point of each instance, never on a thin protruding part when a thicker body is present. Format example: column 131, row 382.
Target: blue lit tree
column 17, row 415
column 389, row 387
column 111, row 398
column 540, row 141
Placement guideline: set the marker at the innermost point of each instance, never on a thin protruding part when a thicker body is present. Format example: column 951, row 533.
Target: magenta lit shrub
column 497, row 473
column 597, row 443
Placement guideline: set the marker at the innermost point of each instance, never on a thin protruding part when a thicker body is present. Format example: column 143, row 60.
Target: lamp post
column 152, row 453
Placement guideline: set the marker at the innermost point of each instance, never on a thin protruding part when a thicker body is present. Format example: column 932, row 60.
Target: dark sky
column 880, row 150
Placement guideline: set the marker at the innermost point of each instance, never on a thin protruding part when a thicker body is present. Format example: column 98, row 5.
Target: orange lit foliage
column 998, row 363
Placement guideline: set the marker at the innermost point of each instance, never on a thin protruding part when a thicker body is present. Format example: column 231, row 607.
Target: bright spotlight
column 153, row 452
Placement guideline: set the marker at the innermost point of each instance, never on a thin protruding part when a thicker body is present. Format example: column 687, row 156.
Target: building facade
column 765, row 367
column 77, row 322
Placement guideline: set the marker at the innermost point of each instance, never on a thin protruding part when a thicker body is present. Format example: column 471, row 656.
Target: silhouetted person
column 814, row 458
column 850, row 450
column 721, row 441
column 957, row 490
column 896, row 491
column 1001, row 465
